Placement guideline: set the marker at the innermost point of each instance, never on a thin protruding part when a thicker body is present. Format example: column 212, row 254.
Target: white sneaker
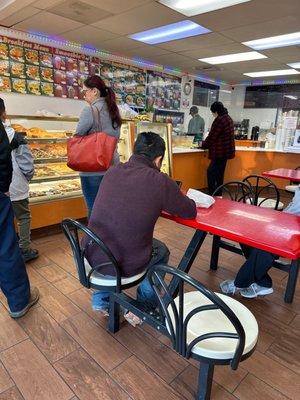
column 228, row 287
column 255, row 290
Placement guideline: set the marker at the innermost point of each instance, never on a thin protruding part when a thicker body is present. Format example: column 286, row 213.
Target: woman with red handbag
column 102, row 115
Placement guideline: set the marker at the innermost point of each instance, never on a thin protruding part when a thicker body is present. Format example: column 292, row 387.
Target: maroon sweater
column 220, row 140
column 129, row 202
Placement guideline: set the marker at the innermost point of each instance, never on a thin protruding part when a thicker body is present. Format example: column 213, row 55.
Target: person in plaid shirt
column 220, row 145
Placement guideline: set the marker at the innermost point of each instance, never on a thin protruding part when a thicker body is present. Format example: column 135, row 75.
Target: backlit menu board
column 163, row 91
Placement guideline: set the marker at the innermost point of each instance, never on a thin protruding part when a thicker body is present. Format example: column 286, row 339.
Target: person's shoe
column 29, row 254
column 34, row 297
column 255, row 290
column 228, row 287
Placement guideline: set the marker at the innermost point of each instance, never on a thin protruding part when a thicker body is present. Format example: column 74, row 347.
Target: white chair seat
column 291, row 188
column 269, row 203
column 215, row 321
column 106, row 280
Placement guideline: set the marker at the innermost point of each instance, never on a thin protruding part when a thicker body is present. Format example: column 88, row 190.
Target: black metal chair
column 291, row 188
column 91, row 277
column 209, row 327
column 265, row 192
column 236, row 191
column 179, row 183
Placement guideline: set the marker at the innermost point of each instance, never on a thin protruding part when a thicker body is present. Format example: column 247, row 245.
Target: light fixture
column 277, row 72
column 195, row 7
column 165, row 33
column 274, row 41
column 230, row 58
column 295, row 65
column 291, row 97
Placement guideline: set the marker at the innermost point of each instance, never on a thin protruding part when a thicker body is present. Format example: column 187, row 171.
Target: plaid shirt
column 220, row 140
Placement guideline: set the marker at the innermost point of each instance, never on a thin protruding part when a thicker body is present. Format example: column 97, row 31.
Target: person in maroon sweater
column 131, row 198
column 220, row 145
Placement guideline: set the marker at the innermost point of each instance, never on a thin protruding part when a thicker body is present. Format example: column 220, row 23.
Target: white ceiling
column 106, row 24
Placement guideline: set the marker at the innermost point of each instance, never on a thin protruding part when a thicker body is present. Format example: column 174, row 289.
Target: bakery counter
column 180, row 150
column 263, row 149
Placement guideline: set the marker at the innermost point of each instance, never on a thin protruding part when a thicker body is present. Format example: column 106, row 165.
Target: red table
column 273, row 231
column 284, row 173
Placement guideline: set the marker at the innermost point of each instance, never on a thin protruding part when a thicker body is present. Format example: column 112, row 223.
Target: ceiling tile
column 89, row 35
column 9, row 8
column 196, row 42
column 284, row 54
column 275, row 27
column 252, row 12
column 139, row 19
column 214, row 51
column 146, row 52
column 120, row 44
column 78, row 11
column 117, row 6
column 19, row 16
column 43, row 22
column 254, row 65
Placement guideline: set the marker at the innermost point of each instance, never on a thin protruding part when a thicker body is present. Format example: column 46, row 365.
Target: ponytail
column 113, row 109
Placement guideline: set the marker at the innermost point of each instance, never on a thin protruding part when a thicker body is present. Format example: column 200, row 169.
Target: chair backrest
column 263, row 189
column 71, row 229
column 179, row 183
column 237, row 191
column 177, row 326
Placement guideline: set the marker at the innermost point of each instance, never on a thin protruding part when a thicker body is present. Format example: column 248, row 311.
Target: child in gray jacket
column 23, row 170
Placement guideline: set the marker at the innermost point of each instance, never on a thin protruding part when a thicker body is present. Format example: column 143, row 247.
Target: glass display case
column 165, row 131
column 47, row 138
column 126, row 140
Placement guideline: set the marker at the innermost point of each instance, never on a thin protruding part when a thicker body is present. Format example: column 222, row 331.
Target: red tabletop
column 284, row 173
column 263, row 228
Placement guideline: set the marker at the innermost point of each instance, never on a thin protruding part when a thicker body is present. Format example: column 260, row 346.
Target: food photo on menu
column 47, row 89
column 31, row 57
column 59, row 62
column 33, row 87
column 19, row 85
column 5, row 84
column 45, row 59
column 3, row 51
column 32, row 72
column 59, row 77
column 47, row 74
column 17, row 70
column 16, row 53
column 4, row 68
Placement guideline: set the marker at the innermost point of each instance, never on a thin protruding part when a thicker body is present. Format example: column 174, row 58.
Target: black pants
column 255, row 268
column 215, row 175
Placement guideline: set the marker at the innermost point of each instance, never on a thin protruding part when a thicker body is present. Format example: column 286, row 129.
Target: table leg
column 188, row 259
column 292, row 280
column 215, row 250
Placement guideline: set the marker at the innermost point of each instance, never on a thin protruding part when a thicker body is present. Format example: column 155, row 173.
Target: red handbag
column 93, row 152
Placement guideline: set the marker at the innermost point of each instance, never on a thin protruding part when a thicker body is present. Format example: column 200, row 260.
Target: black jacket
column 5, row 160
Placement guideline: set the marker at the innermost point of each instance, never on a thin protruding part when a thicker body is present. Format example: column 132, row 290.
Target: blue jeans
column 145, row 293
column 14, row 281
column 90, row 186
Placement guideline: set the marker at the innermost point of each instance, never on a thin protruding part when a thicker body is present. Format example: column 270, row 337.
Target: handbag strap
column 96, row 119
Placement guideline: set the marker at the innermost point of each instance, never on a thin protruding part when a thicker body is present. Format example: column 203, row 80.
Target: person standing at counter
column 102, row 115
column 14, row 281
column 196, row 124
column 220, row 145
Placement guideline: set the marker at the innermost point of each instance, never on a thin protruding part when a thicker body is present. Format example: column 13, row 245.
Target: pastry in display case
column 47, row 138
column 165, row 131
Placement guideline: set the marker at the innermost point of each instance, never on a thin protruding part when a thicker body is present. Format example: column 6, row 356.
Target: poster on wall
column 163, row 91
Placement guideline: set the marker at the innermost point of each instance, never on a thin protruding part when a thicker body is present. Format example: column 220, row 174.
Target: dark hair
column 218, row 107
column 95, row 81
column 2, row 107
column 149, row 144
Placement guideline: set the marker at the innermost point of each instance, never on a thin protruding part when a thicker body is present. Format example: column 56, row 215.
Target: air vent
column 207, row 68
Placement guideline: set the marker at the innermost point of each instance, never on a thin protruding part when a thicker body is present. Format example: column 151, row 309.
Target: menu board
column 128, row 83
column 31, row 68
column 163, row 91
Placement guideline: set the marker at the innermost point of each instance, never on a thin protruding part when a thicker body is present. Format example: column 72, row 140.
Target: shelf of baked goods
column 44, row 191
column 52, row 172
column 59, row 118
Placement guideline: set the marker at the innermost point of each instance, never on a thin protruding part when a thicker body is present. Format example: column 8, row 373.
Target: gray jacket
column 88, row 124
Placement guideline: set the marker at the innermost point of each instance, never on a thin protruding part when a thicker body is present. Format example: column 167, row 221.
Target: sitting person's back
column 129, row 202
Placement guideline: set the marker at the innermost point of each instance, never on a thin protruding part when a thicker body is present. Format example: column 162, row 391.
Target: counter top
column 182, row 150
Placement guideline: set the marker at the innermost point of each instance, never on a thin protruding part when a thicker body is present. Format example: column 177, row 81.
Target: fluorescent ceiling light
column 195, row 7
column 165, row 33
column 295, row 65
column 274, row 41
column 291, row 97
column 230, row 58
column 272, row 73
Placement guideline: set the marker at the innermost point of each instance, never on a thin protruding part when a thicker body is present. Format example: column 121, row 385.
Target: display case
column 126, row 140
column 47, row 139
column 165, row 131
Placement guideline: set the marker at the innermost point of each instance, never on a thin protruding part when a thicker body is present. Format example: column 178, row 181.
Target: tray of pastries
column 68, row 188
column 52, row 170
column 48, row 151
column 39, row 133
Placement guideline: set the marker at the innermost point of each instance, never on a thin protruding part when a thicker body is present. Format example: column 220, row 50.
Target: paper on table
column 201, row 199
